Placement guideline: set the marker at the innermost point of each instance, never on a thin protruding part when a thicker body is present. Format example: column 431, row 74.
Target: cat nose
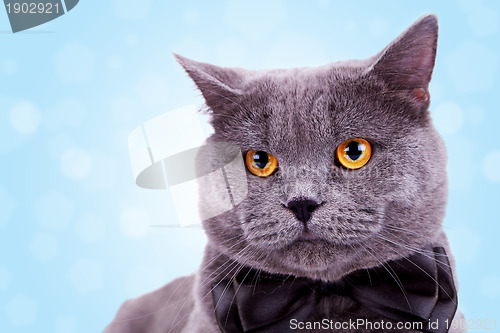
column 302, row 208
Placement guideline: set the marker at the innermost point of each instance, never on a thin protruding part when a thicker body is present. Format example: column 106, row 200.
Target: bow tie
column 415, row 289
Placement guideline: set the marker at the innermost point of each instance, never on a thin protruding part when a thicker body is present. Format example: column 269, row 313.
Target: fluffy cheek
column 267, row 225
column 417, row 205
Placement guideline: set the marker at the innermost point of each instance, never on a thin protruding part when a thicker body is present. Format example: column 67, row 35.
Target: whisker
column 425, row 253
column 392, row 274
column 411, row 232
column 232, row 265
column 426, row 273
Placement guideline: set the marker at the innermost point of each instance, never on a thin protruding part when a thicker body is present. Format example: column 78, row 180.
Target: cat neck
column 219, row 268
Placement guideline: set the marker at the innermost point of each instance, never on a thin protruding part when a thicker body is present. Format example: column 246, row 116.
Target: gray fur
column 388, row 209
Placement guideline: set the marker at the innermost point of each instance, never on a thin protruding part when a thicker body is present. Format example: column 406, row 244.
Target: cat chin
column 318, row 259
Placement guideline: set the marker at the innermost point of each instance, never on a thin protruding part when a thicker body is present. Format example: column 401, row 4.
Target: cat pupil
column 354, row 150
column 260, row 159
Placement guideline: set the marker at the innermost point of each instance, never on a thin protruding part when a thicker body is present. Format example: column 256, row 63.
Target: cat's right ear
column 407, row 63
column 218, row 85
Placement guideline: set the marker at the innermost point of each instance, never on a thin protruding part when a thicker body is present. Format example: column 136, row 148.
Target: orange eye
column 354, row 153
column 260, row 163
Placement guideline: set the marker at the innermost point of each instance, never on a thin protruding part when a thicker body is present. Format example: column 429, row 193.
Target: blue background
column 76, row 233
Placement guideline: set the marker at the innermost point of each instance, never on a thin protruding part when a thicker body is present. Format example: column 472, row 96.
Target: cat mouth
column 308, row 236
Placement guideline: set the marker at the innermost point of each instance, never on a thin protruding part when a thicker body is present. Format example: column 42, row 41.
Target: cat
column 346, row 173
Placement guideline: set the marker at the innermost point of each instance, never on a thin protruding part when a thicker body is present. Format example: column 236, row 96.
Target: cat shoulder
column 166, row 309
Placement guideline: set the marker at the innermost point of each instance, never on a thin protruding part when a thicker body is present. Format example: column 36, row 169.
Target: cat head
column 318, row 213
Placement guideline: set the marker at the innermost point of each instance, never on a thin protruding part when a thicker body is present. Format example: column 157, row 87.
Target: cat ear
column 218, row 85
column 407, row 63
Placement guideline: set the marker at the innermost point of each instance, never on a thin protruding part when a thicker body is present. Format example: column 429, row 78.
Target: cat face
column 313, row 216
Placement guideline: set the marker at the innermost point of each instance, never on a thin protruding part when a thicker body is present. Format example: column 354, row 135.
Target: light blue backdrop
column 74, row 229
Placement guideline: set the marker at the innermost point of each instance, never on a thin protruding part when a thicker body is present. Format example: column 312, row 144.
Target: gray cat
column 346, row 178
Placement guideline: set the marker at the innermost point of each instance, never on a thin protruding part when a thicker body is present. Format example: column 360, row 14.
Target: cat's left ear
column 407, row 63
column 218, row 85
